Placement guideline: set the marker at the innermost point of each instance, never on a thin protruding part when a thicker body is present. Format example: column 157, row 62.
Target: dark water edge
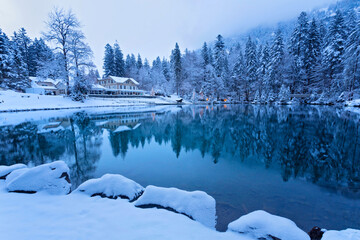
column 299, row 162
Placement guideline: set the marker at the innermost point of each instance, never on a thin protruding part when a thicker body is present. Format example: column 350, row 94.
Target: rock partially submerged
column 111, row 186
column 348, row 234
column 316, row 233
column 197, row 205
column 6, row 170
column 263, row 225
column 51, row 177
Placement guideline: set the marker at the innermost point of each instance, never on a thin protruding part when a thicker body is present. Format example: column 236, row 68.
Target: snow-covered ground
column 48, row 215
column 14, row 101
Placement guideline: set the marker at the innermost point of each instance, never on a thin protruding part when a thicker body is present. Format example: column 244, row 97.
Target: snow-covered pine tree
column 219, row 56
column 177, row 67
column 165, row 69
column 251, row 66
column 139, row 63
column 205, row 55
column 39, row 54
column 352, row 54
column 263, row 70
column 334, row 54
column 18, row 64
column 276, row 65
column 23, row 42
column 5, row 57
column 298, row 45
column 119, row 64
column 313, row 56
column 80, row 88
column 109, row 65
column 238, row 75
column 220, row 65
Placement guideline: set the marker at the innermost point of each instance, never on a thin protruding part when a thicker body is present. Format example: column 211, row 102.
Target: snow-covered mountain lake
column 302, row 163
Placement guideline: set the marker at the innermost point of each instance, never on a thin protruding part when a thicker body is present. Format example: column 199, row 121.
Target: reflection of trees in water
column 314, row 143
column 76, row 140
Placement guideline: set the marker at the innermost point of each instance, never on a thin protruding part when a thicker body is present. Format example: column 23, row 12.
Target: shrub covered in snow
column 112, row 186
column 262, row 225
column 52, row 178
column 6, row 170
column 197, row 205
column 348, row 234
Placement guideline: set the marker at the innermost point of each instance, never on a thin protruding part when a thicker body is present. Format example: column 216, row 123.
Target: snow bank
column 111, row 186
column 197, row 205
column 262, row 225
column 52, row 178
column 348, row 234
column 14, row 101
column 6, row 170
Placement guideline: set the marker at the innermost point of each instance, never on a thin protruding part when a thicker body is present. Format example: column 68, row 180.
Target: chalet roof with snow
column 49, row 80
column 123, row 79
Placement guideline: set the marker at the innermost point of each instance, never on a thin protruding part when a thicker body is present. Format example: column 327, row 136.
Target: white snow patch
column 198, row 205
column 348, row 234
column 76, row 216
column 111, row 186
column 49, row 177
column 5, row 170
column 263, row 225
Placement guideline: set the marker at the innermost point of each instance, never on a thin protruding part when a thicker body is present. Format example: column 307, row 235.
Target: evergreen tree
column 5, row 57
column 239, row 74
column 334, row 53
column 219, row 56
column 139, row 63
column 205, row 55
column 312, row 60
column 263, row 70
column 165, row 69
column 119, row 64
column 276, row 66
column 177, row 67
column 23, row 42
column 18, row 65
column 39, row 54
column 251, row 66
column 109, row 64
column 352, row 54
column 298, row 49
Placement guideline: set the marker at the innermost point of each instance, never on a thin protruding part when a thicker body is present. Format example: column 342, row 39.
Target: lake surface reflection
column 302, row 163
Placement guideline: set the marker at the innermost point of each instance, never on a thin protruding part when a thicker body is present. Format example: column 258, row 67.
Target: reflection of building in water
column 120, row 122
column 59, row 124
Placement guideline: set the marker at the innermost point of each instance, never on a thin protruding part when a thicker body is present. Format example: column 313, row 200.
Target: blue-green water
column 302, row 163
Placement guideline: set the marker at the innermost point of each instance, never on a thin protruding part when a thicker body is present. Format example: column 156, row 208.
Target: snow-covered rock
column 197, row 205
column 6, row 170
column 348, row 234
column 111, row 186
column 263, row 225
column 51, row 177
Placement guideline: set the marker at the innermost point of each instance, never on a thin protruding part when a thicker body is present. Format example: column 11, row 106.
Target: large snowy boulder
column 263, row 225
column 111, row 186
column 6, row 170
column 348, row 234
column 51, row 177
column 197, row 205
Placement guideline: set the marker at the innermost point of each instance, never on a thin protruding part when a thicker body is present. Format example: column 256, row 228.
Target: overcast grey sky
column 151, row 27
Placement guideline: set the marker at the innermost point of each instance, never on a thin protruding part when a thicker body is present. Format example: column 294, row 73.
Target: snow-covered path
column 77, row 216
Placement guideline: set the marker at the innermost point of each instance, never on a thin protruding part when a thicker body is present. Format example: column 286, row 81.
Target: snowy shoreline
column 11, row 101
column 112, row 205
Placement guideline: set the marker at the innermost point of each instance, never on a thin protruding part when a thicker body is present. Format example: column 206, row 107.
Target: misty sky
column 151, row 27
